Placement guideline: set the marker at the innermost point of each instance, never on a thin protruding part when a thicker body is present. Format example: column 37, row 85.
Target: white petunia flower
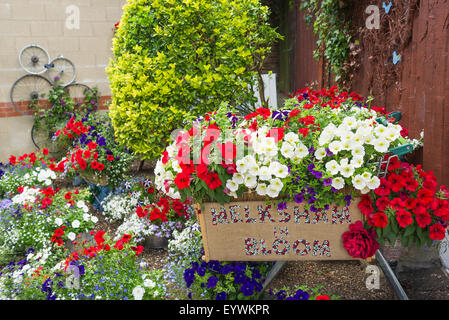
column 71, row 236
column 138, row 293
column 281, row 171
column 320, row 153
column 232, row 185
column 373, row 183
column 250, row 181
column 301, row 150
column 291, row 137
column 238, row 178
column 261, row 189
column 264, row 173
column 358, row 182
column 333, row 167
column 358, row 151
column 58, row 222
column 338, row 183
column 381, row 145
column 346, row 170
column 76, row 224
column 287, row 150
column 272, row 192
column 335, row 147
column 276, row 184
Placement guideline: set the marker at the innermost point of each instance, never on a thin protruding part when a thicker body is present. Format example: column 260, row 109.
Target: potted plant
column 407, row 209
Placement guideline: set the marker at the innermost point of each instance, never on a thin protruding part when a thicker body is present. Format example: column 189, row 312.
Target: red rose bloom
column 437, row 232
column 359, row 242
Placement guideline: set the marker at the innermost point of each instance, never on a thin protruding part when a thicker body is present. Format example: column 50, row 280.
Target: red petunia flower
column 45, row 151
column 182, row 180
column 322, row 297
column 365, row 205
column 92, row 145
column 380, row 220
column 404, row 218
column 138, row 250
column 423, row 219
column 213, row 181
column 437, row 232
column 110, row 157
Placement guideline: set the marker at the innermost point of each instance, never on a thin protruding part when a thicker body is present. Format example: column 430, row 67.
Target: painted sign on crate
column 257, row 231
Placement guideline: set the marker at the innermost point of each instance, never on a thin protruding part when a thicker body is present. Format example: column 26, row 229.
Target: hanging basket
column 392, row 253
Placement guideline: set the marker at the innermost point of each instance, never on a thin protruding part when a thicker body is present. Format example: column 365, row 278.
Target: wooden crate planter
column 251, row 230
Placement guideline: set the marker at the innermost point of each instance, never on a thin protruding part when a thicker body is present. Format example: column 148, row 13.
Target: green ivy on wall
column 333, row 33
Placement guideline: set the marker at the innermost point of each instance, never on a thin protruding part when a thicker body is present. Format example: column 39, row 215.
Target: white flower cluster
column 28, row 196
column 117, row 206
column 162, row 174
column 348, row 143
column 76, row 226
column 141, row 228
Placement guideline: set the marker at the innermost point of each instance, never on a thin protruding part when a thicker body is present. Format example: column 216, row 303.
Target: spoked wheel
column 43, row 137
column 77, row 92
column 29, row 90
column 62, row 69
column 33, row 59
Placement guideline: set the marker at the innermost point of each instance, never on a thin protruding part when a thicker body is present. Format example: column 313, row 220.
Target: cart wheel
column 77, row 93
column 27, row 90
column 44, row 138
column 63, row 69
column 33, row 59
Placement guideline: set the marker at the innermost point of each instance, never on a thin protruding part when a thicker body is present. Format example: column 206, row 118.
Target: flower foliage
column 408, row 205
column 177, row 57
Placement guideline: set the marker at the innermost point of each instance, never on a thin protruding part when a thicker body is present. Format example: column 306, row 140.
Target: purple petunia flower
column 327, row 181
column 282, row 205
column 299, row 198
column 318, row 174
